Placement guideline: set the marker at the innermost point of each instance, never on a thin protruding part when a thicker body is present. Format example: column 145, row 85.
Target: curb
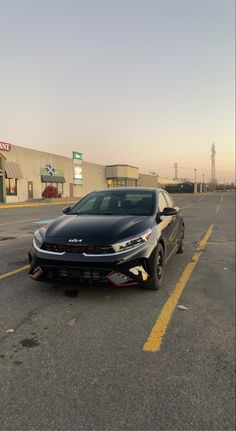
column 8, row 206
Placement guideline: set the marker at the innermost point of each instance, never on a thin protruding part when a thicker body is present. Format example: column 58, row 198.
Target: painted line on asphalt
column 44, row 221
column 16, row 222
column 15, row 271
column 158, row 331
column 36, row 205
column 190, row 205
column 220, row 204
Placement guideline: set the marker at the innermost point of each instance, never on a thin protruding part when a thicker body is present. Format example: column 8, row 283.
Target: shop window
column 11, row 186
column 131, row 183
column 121, row 182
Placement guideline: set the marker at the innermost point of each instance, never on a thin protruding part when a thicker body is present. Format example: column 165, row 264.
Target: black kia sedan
column 121, row 236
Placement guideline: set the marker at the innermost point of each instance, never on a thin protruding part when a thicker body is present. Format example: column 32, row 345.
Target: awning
column 13, row 170
column 52, row 179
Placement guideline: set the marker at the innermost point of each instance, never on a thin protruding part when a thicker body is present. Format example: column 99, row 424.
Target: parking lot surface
column 85, row 362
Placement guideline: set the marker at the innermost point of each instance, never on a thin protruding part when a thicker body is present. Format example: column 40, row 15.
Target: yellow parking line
column 15, row 271
column 218, row 208
column 154, row 340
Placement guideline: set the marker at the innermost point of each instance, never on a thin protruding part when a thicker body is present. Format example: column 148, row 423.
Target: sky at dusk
column 144, row 82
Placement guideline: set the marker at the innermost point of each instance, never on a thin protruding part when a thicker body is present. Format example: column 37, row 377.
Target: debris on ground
column 182, row 307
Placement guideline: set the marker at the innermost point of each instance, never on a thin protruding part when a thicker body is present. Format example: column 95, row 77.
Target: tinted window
column 89, row 204
column 169, row 200
column 114, row 202
column 105, row 203
column 161, row 202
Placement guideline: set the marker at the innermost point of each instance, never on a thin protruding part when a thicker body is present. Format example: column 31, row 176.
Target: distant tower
column 213, row 164
column 176, row 171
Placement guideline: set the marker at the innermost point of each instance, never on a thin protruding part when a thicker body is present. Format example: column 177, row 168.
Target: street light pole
column 195, row 181
column 203, row 183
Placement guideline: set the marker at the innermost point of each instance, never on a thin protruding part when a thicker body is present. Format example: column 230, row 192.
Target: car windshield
column 113, row 202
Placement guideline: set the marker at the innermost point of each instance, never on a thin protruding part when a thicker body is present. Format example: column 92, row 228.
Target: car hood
column 97, row 229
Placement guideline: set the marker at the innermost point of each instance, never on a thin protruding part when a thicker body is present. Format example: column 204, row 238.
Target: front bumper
column 123, row 269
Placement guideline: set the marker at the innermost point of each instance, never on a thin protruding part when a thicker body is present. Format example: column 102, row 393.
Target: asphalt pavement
column 79, row 363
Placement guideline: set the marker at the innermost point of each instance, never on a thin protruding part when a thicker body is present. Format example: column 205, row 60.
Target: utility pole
column 203, row 183
column 195, row 180
column 213, row 165
column 176, row 171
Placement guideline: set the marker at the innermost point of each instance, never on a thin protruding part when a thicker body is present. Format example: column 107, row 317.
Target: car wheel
column 181, row 242
column 154, row 283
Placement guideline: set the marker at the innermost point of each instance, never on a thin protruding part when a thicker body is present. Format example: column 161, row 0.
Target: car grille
column 78, row 275
column 78, row 248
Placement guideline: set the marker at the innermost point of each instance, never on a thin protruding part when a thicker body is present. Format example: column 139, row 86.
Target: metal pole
column 195, row 181
column 203, row 183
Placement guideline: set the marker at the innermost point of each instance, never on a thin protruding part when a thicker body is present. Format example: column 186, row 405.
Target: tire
column 181, row 243
column 154, row 283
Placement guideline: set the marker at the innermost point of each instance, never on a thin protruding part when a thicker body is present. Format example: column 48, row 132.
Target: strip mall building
column 25, row 173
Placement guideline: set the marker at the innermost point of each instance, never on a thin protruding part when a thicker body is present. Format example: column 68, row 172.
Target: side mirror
column 169, row 212
column 66, row 210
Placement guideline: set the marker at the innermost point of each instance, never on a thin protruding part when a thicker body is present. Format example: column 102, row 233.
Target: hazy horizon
column 146, row 83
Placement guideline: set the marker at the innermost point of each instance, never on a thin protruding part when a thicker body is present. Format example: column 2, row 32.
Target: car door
column 176, row 221
column 166, row 225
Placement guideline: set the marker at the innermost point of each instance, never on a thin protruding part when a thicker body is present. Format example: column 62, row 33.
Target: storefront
column 25, row 174
column 122, row 176
column 10, row 173
column 52, row 177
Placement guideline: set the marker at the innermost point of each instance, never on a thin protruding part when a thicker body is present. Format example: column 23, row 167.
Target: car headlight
column 39, row 236
column 132, row 242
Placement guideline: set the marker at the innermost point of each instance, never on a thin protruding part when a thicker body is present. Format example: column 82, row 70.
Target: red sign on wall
column 5, row 146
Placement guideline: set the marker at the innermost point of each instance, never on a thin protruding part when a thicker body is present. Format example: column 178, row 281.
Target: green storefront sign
column 77, row 156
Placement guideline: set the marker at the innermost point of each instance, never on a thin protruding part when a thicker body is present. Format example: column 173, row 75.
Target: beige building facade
column 25, row 173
